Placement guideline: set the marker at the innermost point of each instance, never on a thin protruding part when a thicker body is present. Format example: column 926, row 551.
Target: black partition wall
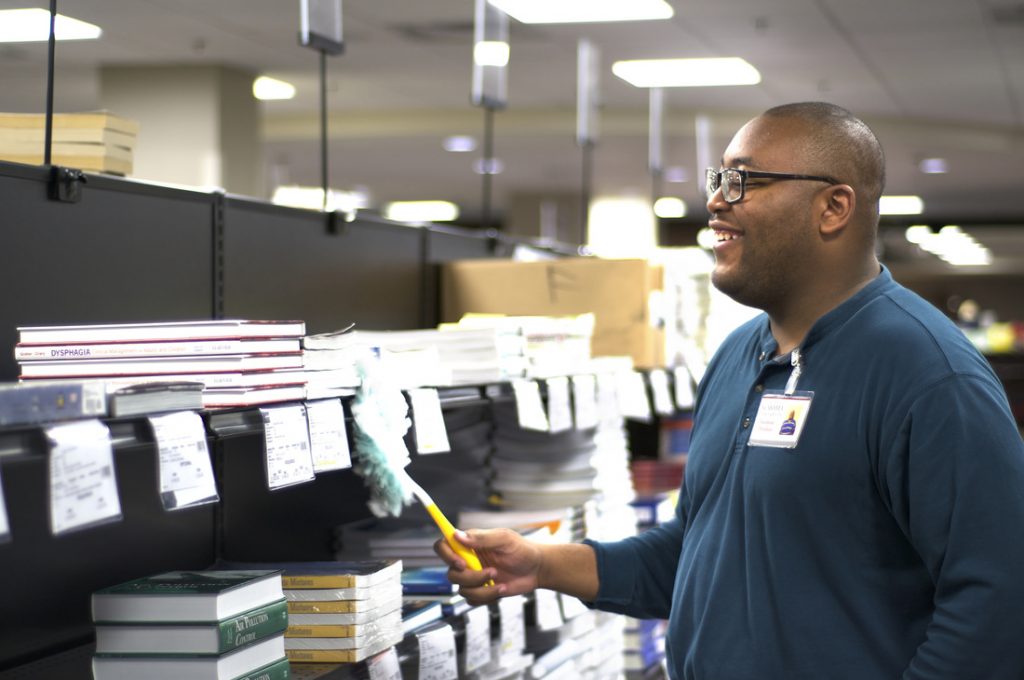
column 129, row 251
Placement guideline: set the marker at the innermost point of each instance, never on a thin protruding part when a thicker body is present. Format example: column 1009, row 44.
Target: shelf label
column 684, row 388
column 632, row 393
column 5, row 525
column 608, row 410
column 512, row 635
column 572, row 606
column 437, row 654
column 328, row 439
column 83, row 485
column 559, row 409
column 529, row 406
column 385, row 666
column 548, row 610
column 478, row 638
column 663, row 404
column 286, row 441
column 584, row 397
column 428, row 421
column 186, row 474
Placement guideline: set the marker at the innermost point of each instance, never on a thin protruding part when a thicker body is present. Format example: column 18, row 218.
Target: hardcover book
column 376, row 601
column 204, row 329
column 351, row 635
column 31, row 403
column 322, row 613
column 250, row 661
column 158, row 365
column 343, row 655
column 186, row 596
column 116, row 350
column 210, row 638
column 330, row 573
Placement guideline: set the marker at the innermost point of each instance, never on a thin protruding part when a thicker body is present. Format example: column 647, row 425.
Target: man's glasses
column 733, row 182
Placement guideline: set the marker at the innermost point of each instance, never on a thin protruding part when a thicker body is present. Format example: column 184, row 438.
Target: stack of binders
column 239, row 362
column 95, row 141
column 201, row 625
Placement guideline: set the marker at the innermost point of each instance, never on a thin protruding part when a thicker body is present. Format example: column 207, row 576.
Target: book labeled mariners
column 216, row 624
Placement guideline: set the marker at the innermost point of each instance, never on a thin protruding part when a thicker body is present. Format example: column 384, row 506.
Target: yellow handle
column 467, row 554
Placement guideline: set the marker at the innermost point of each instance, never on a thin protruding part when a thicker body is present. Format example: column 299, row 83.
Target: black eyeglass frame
column 713, row 180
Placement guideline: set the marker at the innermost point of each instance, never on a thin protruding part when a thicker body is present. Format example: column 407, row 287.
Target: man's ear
column 836, row 213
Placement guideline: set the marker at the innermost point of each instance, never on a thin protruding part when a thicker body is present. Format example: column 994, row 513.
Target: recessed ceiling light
column 421, row 211
column 710, row 72
column 33, row 25
column 264, row 89
column 933, row 166
column 492, row 166
column 668, row 207
column 583, row 11
column 676, row 174
column 900, row 205
column 459, row 144
column 490, row 53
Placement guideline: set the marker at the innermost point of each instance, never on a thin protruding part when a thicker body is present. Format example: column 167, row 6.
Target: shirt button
column 746, row 423
column 759, row 388
column 762, row 356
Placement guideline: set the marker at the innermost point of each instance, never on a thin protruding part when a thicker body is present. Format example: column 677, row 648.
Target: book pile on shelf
column 96, row 141
column 342, row 612
column 644, row 646
column 408, row 538
column 553, row 345
column 239, row 362
column 202, row 625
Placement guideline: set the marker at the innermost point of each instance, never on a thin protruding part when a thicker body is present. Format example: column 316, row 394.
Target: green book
column 261, row 660
column 214, row 637
column 187, row 596
column 279, row 670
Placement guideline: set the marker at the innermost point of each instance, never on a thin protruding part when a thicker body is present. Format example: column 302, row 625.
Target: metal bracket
column 65, row 184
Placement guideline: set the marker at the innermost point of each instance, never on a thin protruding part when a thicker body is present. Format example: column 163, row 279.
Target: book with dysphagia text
column 261, row 659
column 127, row 350
column 203, row 329
column 211, row 638
column 187, row 596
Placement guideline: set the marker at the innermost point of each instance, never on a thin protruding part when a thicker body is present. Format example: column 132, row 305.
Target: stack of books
column 202, row 625
column 644, row 645
column 408, row 539
column 97, row 141
column 551, row 345
column 342, row 612
column 239, row 362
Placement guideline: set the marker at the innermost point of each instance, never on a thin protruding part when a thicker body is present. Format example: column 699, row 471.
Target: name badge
column 780, row 419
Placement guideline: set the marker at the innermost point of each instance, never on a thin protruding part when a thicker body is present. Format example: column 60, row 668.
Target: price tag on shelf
column 632, row 394
column 608, row 410
column 428, row 421
column 186, row 475
column 512, row 635
column 385, row 665
column 437, row 654
column 286, row 441
column 478, row 638
column 663, row 404
column 83, row 485
column 5, row 525
column 684, row 387
column 559, row 409
column 547, row 608
column 328, row 439
column 584, row 398
column 529, row 406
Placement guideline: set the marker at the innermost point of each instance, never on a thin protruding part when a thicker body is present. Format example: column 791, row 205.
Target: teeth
column 725, row 236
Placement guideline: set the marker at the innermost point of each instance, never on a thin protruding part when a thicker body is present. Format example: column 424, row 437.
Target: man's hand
column 510, row 561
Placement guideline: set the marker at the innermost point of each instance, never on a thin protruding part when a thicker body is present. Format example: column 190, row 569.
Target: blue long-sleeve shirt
column 888, row 544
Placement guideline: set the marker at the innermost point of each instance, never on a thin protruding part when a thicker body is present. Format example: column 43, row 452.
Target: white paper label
column 584, row 397
column 478, row 638
column 286, row 438
column 5, row 526
column 549, row 613
column 608, row 410
column 328, row 439
column 684, row 388
column 663, row 404
column 186, row 474
column 572, row 607
column 559, row 409
column 633, row 395
column 529, row 406
column 437, row 654
column 428, row 421
column 83, row 486
column 512, row 636
column 385, row 666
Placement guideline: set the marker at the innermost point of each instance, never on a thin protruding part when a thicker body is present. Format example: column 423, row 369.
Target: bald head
column 835, row 143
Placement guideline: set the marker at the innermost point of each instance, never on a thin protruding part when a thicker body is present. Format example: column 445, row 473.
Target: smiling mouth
column 723, row 236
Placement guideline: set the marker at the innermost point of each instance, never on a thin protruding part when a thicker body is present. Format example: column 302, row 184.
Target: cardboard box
column 618, row 292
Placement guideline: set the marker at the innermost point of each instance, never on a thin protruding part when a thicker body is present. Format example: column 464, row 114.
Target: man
column 853, row 505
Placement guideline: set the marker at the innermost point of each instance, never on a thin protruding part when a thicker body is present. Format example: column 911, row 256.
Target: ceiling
column 934, row 78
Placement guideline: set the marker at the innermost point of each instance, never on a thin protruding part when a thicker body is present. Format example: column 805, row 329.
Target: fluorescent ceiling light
column 33, row 25
column 421, row 211
column 900, row 205
column 709, row 72
column 668, row 207
column 676, row 174
column 933, row 166
column 264, row 88
column 313, row 198
column 459, row 144
column 483, row 166
column 583, row 11
column 490, row 53
column 951, row 244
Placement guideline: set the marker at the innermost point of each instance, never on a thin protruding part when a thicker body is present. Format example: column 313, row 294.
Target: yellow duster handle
column 467, row 554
